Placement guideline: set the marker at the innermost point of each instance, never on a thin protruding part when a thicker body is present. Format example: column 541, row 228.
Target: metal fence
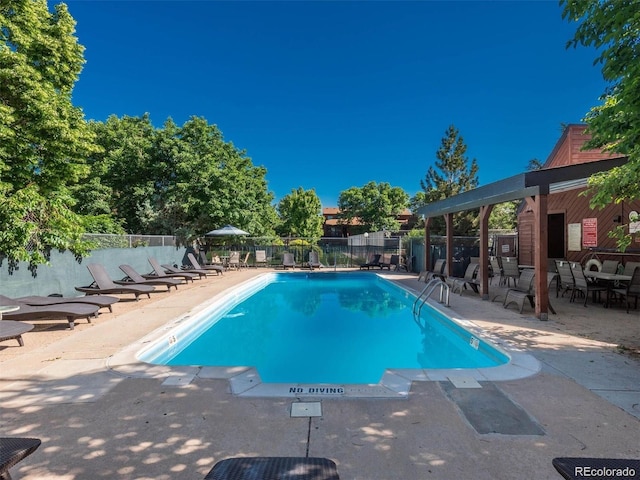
column 101, row 241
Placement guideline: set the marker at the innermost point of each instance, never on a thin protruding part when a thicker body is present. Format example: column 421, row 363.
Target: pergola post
column 427, row 244
column 485, row 211
column 540, row 255
column 448, row 220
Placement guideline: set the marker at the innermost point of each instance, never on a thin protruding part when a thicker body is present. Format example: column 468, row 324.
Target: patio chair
column 313, row 261
column 581, row 284
column 244, row 263
column 274, row 468
column 565, row 281
column 69, row 311
column 133, row 277
column 102, row 284
column 103, row 301
column 610, row 266
column 438, row 270
column 496, row 269
column 629, row 267
column 460, row 283
column 234, row 260
column 261, row 258
column 510, row 270
column 288, row 260
column 522, row 291
column 374, row 261
column 13, row 450
column 219, row 269
column 160, row 272
column 632, row 289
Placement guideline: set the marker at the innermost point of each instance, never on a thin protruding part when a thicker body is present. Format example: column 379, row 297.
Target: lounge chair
column 13, row 450
column 133, row 277
column 288, row 261
column 496, row 270
column 12, row 330
column 313, row 260
column 522, row 291
column 274, row 468
column 102, row 284
column 244, row 263
column 103, row 301
column 632, row 289
column 460, row 283
column 374, row 261
column 197, row 271
column 219, row 269
column 160, row 272
column 69, row 311
column 438, row 270
column 261, row 258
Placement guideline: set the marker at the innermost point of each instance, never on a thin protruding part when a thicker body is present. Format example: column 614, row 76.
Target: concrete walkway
column 95, row 422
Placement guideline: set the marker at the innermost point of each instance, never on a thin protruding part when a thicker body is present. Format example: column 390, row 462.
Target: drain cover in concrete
column 306, row 409
column 488, row 410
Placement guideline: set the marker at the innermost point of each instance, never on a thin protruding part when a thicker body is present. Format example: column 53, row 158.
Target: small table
column 610, row 278
column 274, row 468
column 13, row 450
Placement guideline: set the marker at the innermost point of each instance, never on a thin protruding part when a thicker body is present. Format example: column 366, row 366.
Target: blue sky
column 330, row 95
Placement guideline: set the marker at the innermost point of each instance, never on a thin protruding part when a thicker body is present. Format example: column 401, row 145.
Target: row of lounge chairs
column 376, row 261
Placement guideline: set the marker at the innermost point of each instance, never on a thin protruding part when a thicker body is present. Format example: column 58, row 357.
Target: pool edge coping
column 245, row 381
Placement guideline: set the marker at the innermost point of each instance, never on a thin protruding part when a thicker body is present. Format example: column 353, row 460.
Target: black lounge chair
column 13, row 450
column 438, row 270
column 133, row 277
column 103, row 284
column 173, row 269
column 69, row 311
column 274, row 468
column 103, row 301
column 288, row 261
column 13, row 330
column 219, row 269
column 160, row 272
column 374, row 261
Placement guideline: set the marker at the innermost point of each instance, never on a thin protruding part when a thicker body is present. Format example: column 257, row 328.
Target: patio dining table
column 611, row 280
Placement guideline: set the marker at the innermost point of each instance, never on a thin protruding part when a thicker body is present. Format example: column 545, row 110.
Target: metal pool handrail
column 426, row 292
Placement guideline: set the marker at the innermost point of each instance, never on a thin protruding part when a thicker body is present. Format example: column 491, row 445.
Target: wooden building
column 575, row 230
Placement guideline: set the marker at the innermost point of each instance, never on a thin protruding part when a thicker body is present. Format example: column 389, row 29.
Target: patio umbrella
column 226, row 231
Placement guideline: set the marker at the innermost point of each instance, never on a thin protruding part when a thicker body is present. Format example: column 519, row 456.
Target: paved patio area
column 96, row 422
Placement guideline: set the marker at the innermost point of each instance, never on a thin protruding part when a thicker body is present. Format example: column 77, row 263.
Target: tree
column 375, row 206
column 454, row 176
column 613, row 28
column 300, row 215
column 44, row 139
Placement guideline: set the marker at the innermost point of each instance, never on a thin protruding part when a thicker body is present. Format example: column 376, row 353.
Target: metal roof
column 537, row 182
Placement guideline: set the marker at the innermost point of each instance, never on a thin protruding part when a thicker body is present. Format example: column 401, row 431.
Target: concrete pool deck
column 96, row 421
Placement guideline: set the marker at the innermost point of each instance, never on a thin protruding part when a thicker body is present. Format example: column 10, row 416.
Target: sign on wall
column 589, row 232
column 573, row 232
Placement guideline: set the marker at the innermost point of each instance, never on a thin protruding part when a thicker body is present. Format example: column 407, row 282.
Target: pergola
column 533, row 187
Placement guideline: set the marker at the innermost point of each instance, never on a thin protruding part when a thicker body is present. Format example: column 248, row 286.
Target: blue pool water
column 340, row 328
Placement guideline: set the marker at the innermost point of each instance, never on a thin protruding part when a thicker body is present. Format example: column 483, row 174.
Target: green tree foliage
column 179, row 180
column 613, row 28
column 44, row 139
column 375, row 206
column 504, row 216
column 300, row 215
column 451, row 176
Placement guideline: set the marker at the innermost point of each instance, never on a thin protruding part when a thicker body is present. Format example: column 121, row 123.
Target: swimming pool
column 322, row 328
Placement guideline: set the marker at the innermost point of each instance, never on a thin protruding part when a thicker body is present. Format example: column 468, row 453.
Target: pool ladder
column 427, row 291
